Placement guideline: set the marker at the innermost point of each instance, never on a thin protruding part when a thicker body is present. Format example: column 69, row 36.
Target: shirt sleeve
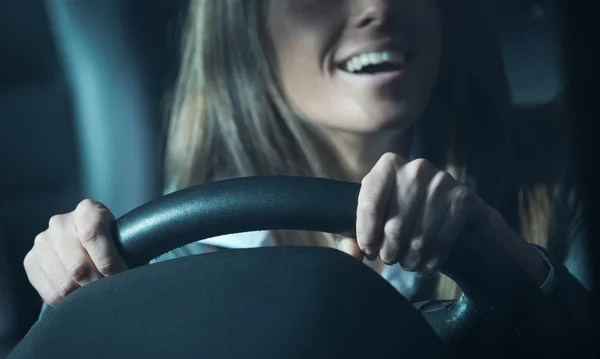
column 550, row 282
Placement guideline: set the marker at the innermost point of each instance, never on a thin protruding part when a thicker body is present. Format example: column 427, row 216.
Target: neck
column 358, row 153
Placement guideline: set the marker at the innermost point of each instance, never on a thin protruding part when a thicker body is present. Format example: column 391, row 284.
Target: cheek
column 302, row 49
column 307, row 86
column 315, row 96
column 308, row 82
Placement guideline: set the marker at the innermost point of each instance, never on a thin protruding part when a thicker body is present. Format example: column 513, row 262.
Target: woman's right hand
column 75, row 250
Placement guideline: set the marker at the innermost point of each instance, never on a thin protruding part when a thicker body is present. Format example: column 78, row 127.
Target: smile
column 375, row 62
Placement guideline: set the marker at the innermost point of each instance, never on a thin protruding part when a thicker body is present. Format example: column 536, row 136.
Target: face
column 356, row 65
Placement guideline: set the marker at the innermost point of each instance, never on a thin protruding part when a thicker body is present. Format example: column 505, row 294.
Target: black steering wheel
column 277, row 302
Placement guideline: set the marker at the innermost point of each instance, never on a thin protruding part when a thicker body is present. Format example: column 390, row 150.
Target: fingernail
column 370, row 256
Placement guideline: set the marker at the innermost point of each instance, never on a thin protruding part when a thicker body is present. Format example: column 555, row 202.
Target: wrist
column 540, row 269
column 494, row 227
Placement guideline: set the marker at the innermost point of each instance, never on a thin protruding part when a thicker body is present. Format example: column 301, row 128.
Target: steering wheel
column 277, row 302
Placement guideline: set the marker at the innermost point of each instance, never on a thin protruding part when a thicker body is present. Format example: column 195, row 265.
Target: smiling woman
column 358, row 90
column 317, row 105
column 311, row 55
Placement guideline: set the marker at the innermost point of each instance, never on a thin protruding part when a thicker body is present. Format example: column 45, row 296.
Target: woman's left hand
column 412, row 213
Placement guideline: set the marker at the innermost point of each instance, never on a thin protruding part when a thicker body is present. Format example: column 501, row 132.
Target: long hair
column 230, row 118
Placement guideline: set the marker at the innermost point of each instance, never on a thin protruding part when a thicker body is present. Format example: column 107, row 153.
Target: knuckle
column 40, row 239
column 91, row 221
column 86, row 205
column 388, row 163
column 391, row 159
column 79, row 271
column 393, row 229
column 417, row 169
column 65, row 287
column 107, row 266
column 421, row 167
column 463, row 198
column 421, row 164
column 28, row 261
column 89, row 232
column 56, row 221
column 442, row 179
column 91, row 226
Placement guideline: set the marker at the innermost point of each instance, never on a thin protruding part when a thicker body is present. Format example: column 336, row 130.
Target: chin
column 363, row 120
column 386, row 115
column 389, row 123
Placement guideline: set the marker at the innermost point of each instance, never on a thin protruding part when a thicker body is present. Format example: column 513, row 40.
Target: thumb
column 349, row 246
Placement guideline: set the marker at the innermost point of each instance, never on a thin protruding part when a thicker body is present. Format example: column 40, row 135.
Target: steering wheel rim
column 292, row 203
column 214, row 209
column 480, row 268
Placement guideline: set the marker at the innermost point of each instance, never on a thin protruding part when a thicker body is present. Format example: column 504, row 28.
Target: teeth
column 357, row 63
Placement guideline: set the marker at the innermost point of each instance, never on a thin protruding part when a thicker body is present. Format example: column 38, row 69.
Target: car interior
column 84, row 96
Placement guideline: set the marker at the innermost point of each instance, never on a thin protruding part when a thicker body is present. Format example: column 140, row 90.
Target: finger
column 75, row 258
column 411, row 191
column 44, row 287
column 423, row 241
column 39, row 280
column 375, row 195
column 463, row 207
column 349, row 246
column 92, row 224
column 51, row 266
column 392, row 245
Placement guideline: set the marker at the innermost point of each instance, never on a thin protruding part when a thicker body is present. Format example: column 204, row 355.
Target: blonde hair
column 230, row 118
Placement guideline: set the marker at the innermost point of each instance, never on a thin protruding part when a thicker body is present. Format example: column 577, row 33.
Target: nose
column 372, row 13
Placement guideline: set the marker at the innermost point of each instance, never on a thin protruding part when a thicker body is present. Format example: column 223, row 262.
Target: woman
column 352, row 90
